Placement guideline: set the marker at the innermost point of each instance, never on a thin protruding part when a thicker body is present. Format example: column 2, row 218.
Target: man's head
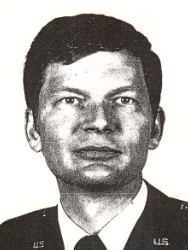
column 68, row 39
column 93, row 87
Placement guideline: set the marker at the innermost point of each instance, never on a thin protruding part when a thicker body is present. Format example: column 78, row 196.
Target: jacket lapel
column 147, row 233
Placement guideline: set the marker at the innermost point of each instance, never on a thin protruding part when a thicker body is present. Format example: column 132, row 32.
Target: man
column 92, row 87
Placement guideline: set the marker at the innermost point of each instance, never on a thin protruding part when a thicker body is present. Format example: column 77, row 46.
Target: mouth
column 97, row 153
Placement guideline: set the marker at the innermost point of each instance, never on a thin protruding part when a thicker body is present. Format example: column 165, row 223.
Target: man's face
column 95, row 120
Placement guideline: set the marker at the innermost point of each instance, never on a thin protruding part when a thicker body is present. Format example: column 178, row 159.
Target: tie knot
column 92, row 242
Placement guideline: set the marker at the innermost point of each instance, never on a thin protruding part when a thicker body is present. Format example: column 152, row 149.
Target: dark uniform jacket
column 162, row 225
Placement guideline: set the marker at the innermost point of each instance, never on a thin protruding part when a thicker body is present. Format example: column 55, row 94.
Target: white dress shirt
column 115, row 234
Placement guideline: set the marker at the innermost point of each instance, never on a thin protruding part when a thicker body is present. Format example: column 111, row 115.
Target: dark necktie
column 92, row 242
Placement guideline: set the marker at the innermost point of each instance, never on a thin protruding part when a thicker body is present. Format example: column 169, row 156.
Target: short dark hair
column 67, row 39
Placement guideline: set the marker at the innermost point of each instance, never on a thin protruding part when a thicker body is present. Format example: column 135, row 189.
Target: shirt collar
column 115, row 234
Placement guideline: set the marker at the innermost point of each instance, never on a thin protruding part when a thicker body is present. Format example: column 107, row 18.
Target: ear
column 32, row 135
column 157, row 130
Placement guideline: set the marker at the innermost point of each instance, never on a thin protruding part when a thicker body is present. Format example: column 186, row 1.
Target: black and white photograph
column 94, row 125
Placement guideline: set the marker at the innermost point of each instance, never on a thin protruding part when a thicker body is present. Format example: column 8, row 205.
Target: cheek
column 58, row 124
column 136, row 129
column 56, row 141
column 56, row 136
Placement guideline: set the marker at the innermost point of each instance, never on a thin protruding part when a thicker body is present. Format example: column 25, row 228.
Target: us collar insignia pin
column 38, row 244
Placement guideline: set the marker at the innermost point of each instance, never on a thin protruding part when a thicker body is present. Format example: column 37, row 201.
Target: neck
column 93, row 210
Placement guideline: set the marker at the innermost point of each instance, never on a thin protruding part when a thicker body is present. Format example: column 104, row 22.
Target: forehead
column 101, row 71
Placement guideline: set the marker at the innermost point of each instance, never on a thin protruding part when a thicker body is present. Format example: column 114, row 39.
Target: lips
column 97, row 153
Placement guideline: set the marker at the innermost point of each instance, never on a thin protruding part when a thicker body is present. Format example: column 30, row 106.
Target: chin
column 89, row 182
column 97, row 177
column 96, row 185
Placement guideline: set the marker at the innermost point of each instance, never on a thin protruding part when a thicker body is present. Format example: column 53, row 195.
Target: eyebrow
column 73, row 90
column 87, row 95
column 119, row 90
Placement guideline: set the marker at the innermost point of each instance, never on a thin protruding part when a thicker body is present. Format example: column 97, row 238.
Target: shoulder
column 30, row 219
column 162, row 202
column 167, row 218
column 25, row 229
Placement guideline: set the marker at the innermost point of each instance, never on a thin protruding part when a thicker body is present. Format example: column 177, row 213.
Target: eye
column 124, row 100
column 69, row 100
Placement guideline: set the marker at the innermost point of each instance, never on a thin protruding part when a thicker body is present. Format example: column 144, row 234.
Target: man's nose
column 100, row 120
